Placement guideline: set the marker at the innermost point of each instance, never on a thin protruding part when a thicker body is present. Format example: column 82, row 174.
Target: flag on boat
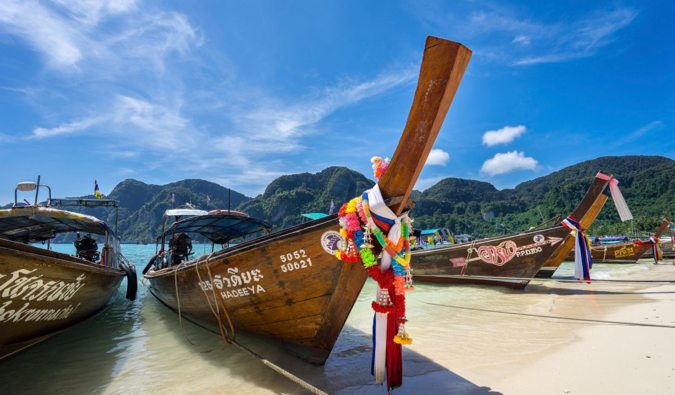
column 97, row 193
column 332, row 207
column 208, row 201
column 173, row 198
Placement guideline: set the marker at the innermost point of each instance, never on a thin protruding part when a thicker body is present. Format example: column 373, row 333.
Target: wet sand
column 140, row 348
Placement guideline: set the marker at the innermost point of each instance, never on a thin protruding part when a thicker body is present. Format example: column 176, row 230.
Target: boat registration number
column 295, row 260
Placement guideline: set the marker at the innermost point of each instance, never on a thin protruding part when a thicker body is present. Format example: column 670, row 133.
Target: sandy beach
column 457, row 348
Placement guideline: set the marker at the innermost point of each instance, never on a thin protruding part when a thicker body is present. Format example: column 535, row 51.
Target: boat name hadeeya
column 34, row 289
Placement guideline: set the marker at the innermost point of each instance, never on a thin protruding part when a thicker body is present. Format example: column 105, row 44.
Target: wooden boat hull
column 513, row 256
column 43, row 293
column 616, row 253
column 511, row 260
column 287, row 286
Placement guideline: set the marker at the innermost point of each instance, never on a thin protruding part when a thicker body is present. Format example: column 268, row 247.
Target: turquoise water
column 139, row 347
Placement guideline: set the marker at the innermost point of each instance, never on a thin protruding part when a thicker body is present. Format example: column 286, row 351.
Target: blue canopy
column 220, row 228
column 314, row 215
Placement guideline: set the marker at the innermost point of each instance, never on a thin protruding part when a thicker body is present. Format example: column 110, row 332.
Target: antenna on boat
column 37, row 189
column 228, row 200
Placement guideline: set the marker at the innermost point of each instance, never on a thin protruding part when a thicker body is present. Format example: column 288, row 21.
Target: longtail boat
column 289, row 286
column 561, row 254
column 510, row 260
column 629, row 252
column 43, row 292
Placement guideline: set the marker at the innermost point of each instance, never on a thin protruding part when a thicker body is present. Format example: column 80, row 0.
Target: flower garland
column 358, row 228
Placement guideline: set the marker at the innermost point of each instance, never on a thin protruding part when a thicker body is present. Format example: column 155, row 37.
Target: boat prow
column 289, row 286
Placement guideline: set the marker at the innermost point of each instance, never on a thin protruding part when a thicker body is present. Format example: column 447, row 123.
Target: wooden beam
column 442, row 69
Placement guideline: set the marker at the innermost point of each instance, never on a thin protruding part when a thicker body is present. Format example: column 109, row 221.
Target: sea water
column 139, row 347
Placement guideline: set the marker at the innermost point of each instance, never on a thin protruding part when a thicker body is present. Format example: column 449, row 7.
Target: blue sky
column 239, row 93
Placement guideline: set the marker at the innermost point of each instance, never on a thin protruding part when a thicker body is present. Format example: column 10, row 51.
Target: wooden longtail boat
column 289, row 286
column 628, row 252
column 43, row 292
column 560, row 255
column 517, row 257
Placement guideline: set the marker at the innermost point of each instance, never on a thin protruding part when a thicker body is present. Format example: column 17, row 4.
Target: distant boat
column 43, row 292
column 289, row 286
column 509, row 260
column 626, row 252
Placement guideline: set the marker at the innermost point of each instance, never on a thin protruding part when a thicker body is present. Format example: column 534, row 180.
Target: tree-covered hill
column 647, row 184
column 289, row 196
column 465, row 206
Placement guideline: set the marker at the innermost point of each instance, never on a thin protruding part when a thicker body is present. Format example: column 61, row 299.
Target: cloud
column 437, row 157
column 72, row 32
column 504, row 135
column 69, row 128
column 507, row 35
column 508, row 162
column 643, row 130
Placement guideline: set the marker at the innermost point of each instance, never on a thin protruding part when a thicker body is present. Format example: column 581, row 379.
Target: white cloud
column 504, row 34
column 69, row 128
column 642, row 131
column 504, row 135
column 71, row 33
column 437, row 157
column 524, row 40
column 508, row 162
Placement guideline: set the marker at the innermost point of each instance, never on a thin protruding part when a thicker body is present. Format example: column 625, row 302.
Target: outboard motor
column 87, row 248
column 180, row 247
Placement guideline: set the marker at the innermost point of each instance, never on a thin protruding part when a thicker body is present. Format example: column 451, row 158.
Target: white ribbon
column 619, row 201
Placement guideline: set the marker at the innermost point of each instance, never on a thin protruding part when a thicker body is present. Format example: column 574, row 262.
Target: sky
column 242, row 92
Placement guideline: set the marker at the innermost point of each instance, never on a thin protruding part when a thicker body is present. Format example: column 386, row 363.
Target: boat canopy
column 314, row 215
column 219, row 228
column 29, row 224
column 178, row 212
column 612, row 238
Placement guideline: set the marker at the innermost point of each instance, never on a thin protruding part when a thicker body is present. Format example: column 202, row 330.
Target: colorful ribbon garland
column 583, row 260
column 358, row 225
column 656, row 247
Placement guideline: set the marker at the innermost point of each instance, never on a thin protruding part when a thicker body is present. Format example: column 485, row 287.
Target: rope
column 604, row 255
column 180, row 316
column 552, row 316
column 496, row 278
column 468, row 256
column 215, row 312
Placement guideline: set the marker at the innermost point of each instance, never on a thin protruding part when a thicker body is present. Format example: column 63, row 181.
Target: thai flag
column 97, row 193
column 173, row 198
column 332, row 207
column 208, row 200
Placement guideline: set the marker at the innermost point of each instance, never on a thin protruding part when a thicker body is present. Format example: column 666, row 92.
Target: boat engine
column 87, row 248
column 180, row 247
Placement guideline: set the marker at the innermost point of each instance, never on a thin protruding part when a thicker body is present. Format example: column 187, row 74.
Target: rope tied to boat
column 216, row 297
column 469, row 251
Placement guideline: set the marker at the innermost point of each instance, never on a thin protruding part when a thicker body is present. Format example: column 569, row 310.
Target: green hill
column 647, row 184
column 465, row 206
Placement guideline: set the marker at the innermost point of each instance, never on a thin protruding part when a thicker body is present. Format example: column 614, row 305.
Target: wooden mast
column 443, row 66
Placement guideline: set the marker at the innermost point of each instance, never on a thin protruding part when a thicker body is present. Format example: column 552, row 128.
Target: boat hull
column 287, row 286
column 515, row 258
column 43, row 293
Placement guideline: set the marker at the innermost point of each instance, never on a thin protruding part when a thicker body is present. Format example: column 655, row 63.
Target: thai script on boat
column 25, row 314
column 236, row 280
column 498, row 255
column 33, row 288
column 624, row 252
